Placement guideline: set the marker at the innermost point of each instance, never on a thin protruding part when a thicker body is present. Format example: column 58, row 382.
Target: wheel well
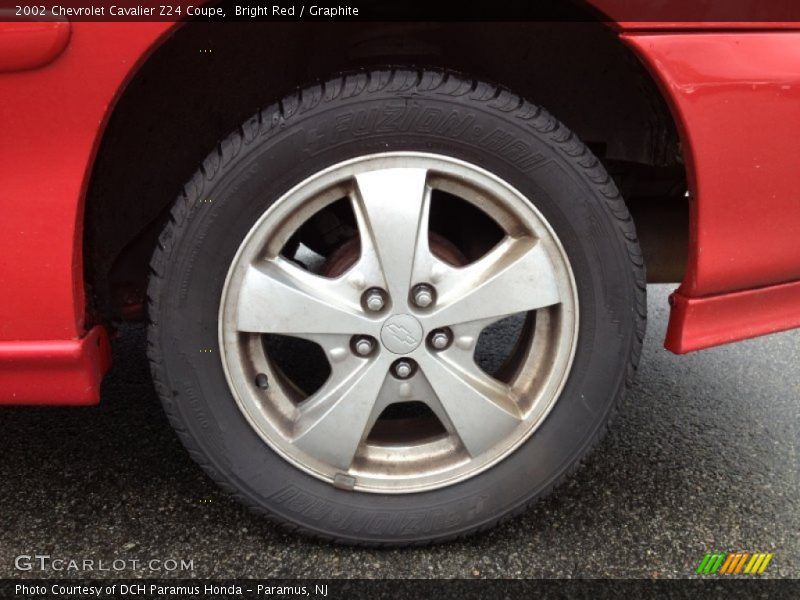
column 206, row 79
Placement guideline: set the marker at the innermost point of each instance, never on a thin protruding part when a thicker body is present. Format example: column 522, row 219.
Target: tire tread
column 428, row 81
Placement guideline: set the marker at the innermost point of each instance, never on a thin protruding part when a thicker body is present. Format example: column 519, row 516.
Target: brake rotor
column 346, row 255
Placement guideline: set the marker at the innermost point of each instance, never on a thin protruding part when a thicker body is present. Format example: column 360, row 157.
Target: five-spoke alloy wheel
column 395, row 307
column 417, row 344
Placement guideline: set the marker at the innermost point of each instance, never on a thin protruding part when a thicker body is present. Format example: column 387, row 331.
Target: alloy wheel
column 391, row 321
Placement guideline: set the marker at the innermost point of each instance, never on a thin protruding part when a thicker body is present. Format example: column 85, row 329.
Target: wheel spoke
column 278, row 297
column 334, row 420
column 481, row 409
column 391, row 207
column 516, row 276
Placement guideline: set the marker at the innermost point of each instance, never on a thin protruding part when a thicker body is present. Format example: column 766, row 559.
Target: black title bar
column 747, row 13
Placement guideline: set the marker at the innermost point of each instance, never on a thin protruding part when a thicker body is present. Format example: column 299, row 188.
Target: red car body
column 733, row 89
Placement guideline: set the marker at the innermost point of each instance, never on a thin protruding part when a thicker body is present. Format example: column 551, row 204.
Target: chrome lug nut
column 363, row 346
column 403, row 369
column 423, row 295
column 440, row 339
column 373, row 300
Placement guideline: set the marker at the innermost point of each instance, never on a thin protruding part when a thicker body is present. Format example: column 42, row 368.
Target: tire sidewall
column 188, row 300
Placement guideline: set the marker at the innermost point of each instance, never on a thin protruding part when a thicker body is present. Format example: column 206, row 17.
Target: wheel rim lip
column 278, row 210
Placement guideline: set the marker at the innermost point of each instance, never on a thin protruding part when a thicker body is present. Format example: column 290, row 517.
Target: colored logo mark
column 734, row 563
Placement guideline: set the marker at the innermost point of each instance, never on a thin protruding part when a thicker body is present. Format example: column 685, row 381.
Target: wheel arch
column 195, row 85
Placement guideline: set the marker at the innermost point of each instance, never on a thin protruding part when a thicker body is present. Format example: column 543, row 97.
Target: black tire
column 309, row 130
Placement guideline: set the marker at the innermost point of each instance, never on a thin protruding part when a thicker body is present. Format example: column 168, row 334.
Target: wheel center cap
column 401, row 334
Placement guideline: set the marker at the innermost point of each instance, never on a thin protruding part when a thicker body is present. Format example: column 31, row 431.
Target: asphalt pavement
column 703, row 457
